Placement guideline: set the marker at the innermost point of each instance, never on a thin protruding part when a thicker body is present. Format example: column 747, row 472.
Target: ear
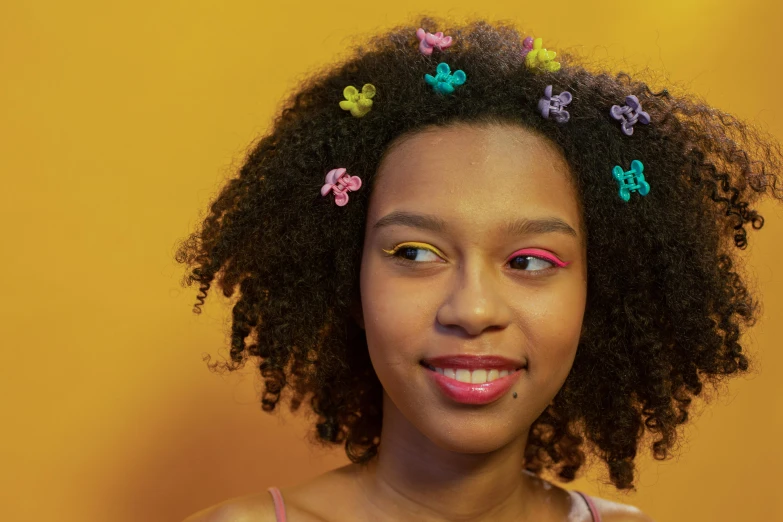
column 356, row 312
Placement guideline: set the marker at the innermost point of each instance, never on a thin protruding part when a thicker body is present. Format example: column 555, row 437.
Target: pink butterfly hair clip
column 339, row 182
column 428, row 41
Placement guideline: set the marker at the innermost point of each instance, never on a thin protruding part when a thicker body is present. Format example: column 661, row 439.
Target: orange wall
column 118, row 122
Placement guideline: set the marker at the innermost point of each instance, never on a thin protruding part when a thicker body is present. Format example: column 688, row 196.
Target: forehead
column 475, row 177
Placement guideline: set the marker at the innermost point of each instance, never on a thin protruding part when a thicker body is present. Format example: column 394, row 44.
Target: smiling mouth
column 474, row 375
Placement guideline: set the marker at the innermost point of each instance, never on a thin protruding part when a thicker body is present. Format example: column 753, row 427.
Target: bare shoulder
column 617, row 512
column 574, row 508
column 312, row 501
column 257, row 507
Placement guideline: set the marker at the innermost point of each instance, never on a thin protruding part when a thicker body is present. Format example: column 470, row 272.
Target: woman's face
column 469, row 286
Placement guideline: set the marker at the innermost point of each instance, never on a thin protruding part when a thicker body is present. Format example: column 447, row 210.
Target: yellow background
column 118, row 123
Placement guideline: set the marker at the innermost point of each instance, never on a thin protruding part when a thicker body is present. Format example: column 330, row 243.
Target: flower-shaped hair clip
column 444, row 82
column 341, row 184
column 527, row 46
column 359, row 103
column 629, row 114
column 554, row 105
column 633, row 180
column 536, row 57
column 429, row 41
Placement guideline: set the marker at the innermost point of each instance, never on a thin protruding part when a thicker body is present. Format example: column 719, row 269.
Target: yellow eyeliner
column 414, row 244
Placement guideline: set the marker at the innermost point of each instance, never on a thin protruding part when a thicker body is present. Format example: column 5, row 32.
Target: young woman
column 479, row 262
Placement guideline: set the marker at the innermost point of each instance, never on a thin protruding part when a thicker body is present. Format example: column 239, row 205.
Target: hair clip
column 629, row 114
column 631, row 180
column 527, row 46
column 536, row 57
column 429, row 41
column 444, row 81
column 359, row 103
column 554, row 105
column 340, row 183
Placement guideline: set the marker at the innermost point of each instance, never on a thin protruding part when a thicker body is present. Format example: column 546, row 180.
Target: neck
column 414, row 479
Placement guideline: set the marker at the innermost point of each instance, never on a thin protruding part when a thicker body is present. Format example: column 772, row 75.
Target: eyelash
column 403, row 246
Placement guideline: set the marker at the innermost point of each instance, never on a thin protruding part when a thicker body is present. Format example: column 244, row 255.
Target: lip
column 474, row 362
column 467, row 393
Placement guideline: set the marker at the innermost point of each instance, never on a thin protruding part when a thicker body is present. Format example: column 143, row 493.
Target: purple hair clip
column 429, row 41
column 341, row 184
column 554, row 105
column 629, row 114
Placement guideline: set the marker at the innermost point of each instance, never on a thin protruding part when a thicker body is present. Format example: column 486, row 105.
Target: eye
column 410, row 251
column 418, row 253
column 527, row 261
column 536, row 257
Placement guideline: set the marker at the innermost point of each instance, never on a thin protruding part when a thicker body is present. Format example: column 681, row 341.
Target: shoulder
column 307, row 502
column 617, row 512
column 575, row 509
column 257, row 507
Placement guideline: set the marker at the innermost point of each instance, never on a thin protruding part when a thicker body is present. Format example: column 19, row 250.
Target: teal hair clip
column 444, row 82
column 631, row 180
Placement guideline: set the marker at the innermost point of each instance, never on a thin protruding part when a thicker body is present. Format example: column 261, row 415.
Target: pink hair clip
column 340, row 183
column 428, row 41
column 527, row 46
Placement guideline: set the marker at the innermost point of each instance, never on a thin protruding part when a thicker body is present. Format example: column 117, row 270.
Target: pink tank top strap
column 279, row 505
column 590, row 504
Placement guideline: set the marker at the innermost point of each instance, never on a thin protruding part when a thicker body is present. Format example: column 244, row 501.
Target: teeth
column 463, row 375
column 478, row 376
column 472, row 377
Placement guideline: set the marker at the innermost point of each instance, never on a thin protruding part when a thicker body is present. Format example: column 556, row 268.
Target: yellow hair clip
column 358, row 103
column 536, row 57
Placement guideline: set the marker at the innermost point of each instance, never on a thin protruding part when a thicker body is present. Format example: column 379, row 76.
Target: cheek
column 394, row 321
column 554, row 328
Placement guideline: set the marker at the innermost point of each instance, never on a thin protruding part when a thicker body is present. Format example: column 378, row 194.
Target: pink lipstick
column 474, row 393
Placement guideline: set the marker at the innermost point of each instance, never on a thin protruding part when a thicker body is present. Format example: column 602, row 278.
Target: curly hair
column 666, row 303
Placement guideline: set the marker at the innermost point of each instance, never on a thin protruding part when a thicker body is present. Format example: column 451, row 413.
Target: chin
column 471, row 435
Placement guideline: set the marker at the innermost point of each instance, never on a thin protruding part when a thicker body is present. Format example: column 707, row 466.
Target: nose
column 476, row 302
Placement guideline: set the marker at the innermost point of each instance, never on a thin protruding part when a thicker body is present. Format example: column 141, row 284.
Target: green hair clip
column 359, row 103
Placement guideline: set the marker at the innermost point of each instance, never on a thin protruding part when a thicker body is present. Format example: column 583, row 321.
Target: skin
column 440, row 460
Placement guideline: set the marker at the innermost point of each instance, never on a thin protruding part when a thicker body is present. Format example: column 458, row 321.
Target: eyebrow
column 516, row 227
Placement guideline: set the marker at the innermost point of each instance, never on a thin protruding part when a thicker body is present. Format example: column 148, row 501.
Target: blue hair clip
column 631, row 180
column 444, row 82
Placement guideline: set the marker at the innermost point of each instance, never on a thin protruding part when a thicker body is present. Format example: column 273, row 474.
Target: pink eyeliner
column 539, row 253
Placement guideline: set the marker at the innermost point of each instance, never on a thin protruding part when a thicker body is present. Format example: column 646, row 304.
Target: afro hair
column 666, row 304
